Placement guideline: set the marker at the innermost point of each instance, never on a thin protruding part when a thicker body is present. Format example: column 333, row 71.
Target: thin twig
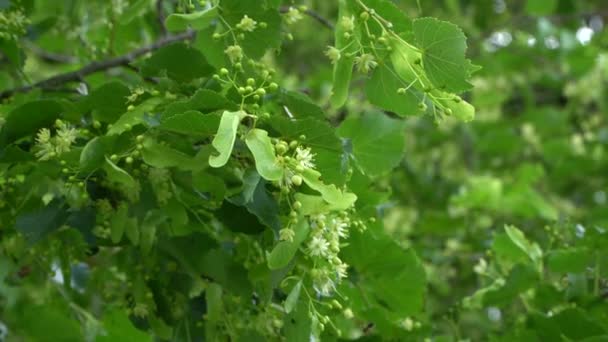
column 322, row 20
column 99, row 65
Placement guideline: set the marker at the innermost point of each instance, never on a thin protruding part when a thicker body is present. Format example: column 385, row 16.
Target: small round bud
column 266, row 115
column 293, row 214
column 346, row 35
column 65, row 170
column 401, row 91
column 261, row 91
column 240, row 36
column 241, row 90
column 224, row 71
column 129, row 160
column 293, row 144
column 96, row 124
column 273, row 86
column 297, row 205
column 249, row 89
column 63, row 162
column 113, row 157
column 250, row 81
column 131, row 107
column 216, row 77
column 281, row 147
column 140, row 138
column 140, row 146
column 364, row 16
column 217, row 35
column 256, row 97
column 238, row 66
column 263, row 24
column 296, row 180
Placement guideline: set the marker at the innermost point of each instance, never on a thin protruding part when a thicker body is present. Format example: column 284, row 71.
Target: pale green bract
column 225, row 137
column 341, row 200
column 266, row 164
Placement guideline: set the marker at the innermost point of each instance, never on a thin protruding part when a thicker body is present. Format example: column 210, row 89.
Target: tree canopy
column 279, row 170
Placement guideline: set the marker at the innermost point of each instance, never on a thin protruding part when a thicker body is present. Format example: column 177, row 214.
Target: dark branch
column 322, row 20
column 51, row 57
column 98, row 66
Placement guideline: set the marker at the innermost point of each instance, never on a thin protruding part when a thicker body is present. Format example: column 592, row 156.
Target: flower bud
column 297, row 180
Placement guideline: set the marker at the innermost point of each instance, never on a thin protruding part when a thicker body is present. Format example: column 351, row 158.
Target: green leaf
column 134, row 116
column 204, row 100
column 531, row 249
column 292, row 299
column 118, row 223
column 132, row 230
column 391, row 277
column 541, row 7
column 343, row 68
column 36, row 224
column 520, row 279
column 212, row 49
column 119, row 176
column 573, row 260
column 118, row 327
column 136, row 10
column 225, row 137
column 192, row 122
column 258, row 201
column 215, row 309
column 92, row 155
column 196, row 20
column 392, row 13
column 263, row 152
column 443, row 46
column 179, row 62
column 107, row 102
column 284, row 251
column 377, row 141
column 381, row 90
column 28, row 119
column 163, row 156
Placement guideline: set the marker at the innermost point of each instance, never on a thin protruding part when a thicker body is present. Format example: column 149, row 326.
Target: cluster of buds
column 12, row 25
column 160, row 179
column 50, row 146
column 295, row 159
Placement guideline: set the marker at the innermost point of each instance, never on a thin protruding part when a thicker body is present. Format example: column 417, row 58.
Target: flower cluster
column 323, row 247
column 293, row 15
column 12, row 24
column 234, row 53
column 247, row 24
column 50, row 147
column 295, row 160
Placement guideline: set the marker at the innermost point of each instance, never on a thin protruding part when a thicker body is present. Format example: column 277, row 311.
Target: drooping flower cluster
column 50, row 147
column 323, row 246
